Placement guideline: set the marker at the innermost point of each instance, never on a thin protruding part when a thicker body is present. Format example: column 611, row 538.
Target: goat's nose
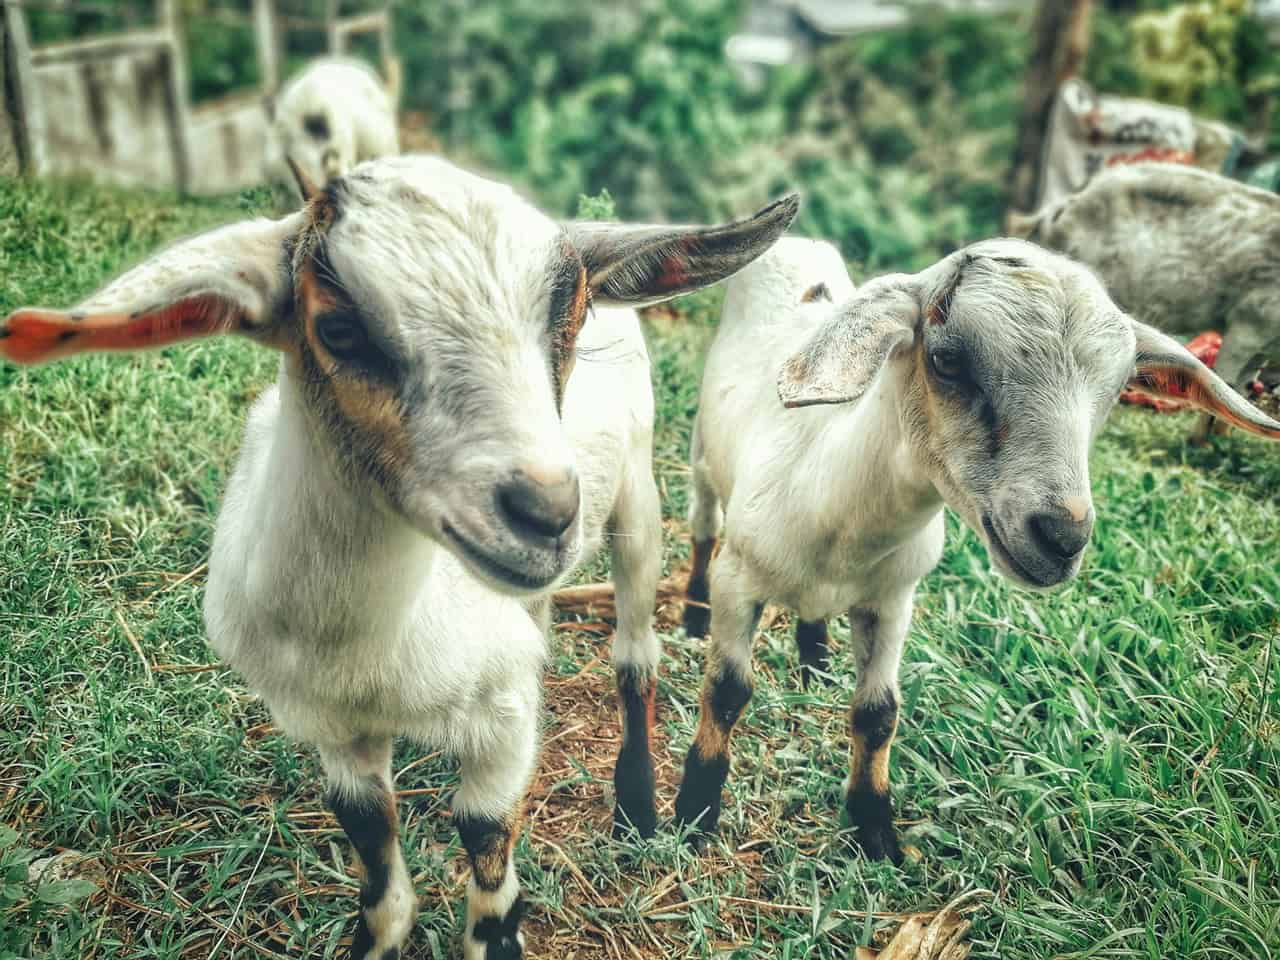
column 331, row 163
column 540, row 502
column 1063, row 533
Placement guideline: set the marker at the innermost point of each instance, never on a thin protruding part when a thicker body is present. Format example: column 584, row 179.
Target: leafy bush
column 24, row 904
column 898, row 142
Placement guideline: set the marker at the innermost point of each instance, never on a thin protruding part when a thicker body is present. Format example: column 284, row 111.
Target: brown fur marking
column 370, row 408
column 819, row 291
column 711, row 739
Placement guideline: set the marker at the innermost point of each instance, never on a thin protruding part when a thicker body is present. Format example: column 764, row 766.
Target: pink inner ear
column 38, row 336
column 675, row 273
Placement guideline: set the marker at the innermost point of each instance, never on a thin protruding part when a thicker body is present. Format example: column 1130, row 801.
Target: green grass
column 1103, row 760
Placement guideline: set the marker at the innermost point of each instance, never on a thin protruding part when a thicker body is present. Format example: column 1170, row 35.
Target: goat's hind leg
column 815, row 654
column 487, row 811
column 636, row 554
column 705, row 518
column 361, row 797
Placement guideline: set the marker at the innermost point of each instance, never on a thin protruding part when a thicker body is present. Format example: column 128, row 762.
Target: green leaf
column 65, row 891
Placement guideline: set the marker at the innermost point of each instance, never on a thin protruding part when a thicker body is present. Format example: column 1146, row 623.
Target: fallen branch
column 596, row 600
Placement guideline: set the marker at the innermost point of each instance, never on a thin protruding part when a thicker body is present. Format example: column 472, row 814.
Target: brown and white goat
column 423, row 471
column 978, row 383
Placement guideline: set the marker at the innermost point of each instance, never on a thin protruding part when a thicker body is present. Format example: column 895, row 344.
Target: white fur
column 410, row 491
column 788, row 481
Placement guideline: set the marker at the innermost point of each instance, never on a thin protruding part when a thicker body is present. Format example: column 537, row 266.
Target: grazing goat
column 978, row 383
column 423, row 471
column 1182, row 249
column 334, row 114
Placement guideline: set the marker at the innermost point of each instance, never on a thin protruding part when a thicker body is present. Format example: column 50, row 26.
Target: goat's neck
column 328, row 530
column 877, row 482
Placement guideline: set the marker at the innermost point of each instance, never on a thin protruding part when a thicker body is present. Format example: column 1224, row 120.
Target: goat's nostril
column 545, row 507
column 1061, row 536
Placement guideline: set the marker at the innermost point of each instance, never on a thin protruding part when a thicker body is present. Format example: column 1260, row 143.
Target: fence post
column 337, row 39
column 267, row 34
column 21, row 111
column 177, row 97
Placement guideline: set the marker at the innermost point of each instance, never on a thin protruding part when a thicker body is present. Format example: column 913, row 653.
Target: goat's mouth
column 497, row 570
column 1005, row 557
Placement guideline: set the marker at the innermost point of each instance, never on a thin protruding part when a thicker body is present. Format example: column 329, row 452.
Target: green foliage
column 1106, row 758
column 599, row 207
column 1210, row 56
column 898, row 142
column 26, row 905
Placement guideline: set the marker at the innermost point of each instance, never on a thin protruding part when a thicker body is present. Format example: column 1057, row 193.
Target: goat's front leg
column 877, row 634
column 361, row 797
column 726, row 691
column 487, row 811
column 636, row 549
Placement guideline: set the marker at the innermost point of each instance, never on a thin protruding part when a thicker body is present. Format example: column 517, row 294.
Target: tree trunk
column 1060, row 40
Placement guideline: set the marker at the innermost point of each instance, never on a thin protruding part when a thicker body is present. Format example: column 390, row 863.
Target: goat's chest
column 822, row 570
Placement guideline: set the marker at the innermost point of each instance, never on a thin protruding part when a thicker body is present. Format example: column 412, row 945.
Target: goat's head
column 320, row 141
column 1009, row 359
column 429, row 317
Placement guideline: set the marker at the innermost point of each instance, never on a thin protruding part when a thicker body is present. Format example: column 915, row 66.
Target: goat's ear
column 231, row 280
column 1165, row 368
column 851, row 345
column 637, row 265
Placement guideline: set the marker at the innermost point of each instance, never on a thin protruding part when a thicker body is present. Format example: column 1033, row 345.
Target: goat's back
column 1174, row 245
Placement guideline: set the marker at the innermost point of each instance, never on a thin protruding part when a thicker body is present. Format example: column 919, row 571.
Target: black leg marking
column 868, row 803
column 707, row 764
column 633, row 778
column 370, row 824
column 811, row 638
column 488, row 843
column 872, row 816
column 697, row 612
column 500, row 935
column 362, row 942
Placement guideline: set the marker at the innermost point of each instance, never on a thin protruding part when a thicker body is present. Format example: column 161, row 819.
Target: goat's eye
column 316, row 125
column 948, row 365
column 341, row 335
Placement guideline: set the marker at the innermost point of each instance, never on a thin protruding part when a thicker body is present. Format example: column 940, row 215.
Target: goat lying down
column 333, row 115
column 422, row 473
column 978, row 383
column 1183, row 249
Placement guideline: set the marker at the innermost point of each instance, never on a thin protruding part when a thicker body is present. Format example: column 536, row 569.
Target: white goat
column 978, row 383
column 334, row 114
column 408, row 486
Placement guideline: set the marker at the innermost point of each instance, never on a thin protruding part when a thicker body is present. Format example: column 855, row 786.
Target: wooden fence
column 115, row 106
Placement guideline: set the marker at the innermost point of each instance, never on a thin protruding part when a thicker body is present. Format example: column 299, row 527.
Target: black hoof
column 501, row 935
column 697, row 838
column 872, row 817
column 642, row 821
column 878, row 843
column 362, row 942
